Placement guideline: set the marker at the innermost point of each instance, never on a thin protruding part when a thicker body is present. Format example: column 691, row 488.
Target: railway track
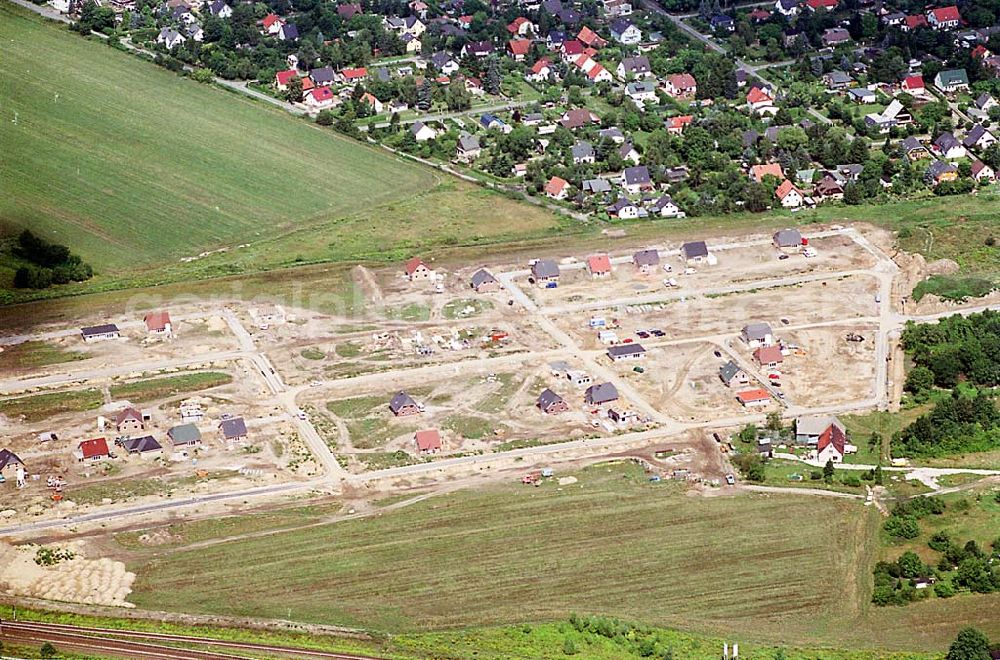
column 121, row 643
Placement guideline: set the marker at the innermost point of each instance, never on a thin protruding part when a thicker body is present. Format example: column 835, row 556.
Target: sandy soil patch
column 78, row 580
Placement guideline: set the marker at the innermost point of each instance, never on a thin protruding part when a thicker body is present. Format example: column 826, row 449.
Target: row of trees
column 953, row 349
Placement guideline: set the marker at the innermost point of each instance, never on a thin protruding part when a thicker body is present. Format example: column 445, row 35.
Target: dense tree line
column 958, row 348
column 50, row 263
column 956, row 424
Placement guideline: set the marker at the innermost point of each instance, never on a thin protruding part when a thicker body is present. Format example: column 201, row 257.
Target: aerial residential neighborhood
column 523, row 329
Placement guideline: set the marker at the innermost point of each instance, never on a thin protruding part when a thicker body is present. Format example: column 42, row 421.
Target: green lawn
column 743, row 567
column 134, row 167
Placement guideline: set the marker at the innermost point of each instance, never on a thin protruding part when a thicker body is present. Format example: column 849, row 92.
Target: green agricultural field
column 36, row 407
column 34, row 354
column 614, row 544
column 159, row 388
column 134, row 167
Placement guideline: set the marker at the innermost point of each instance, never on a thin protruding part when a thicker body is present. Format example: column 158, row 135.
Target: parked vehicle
column 730, row 479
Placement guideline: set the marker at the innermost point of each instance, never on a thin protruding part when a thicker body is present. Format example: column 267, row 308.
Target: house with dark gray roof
column 484, row 282
column 733, row 375
column 7, row 457
column 596, row 186
column 551, row 403
column 600, row 394
column 100, row 332
column 545, row 270
column 636, row 179
column 233, row 430
column 646, row 261
column 787, row 239
column 695, row 252
column 144, row 446
column 323, row 76
column 582, row 152
column 631, row 351
column 757, row 334
column 402, row 404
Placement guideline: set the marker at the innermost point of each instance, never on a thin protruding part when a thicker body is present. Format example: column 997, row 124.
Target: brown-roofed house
column 758, row 172
column 769, row 357
column 128, row 421
column 416, row 269
column 158, row 323
column 599, row 265
column 831, row 445
column 428, row 441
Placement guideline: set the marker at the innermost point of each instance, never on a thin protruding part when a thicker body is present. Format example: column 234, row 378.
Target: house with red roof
column 282, row 78
column 572, row 49
column 944, row 18
column 980, row 52
column 590, row 38
column 817, row 5
column 676, row 125
column 557, row 188
column 518, row 48
column 91, row 451
column 352, row 75
column 428, row 441
column 913, row 22
column 319, row 98
column 272, row 24
column 754, row 398
column 681, row 86
column 521, row 27
column 372, row 102
column 769, row 357
column 760, row 101
column 914, row 85
column 416, row 270
column 831, row 446
column 598, row 73
column 158, row 323
column 758, row 172
column 789, row 196
column 599, row 265
column 539, row 71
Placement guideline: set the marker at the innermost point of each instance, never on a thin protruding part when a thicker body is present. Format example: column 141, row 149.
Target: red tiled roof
column 821, row 4
column 93, row 448
column 157, row 320
column 749, row 396
column 945, row 14
column 354, row 74
column 285, row 77
column 519, row 46
column 590, row 37
column 769, row 354
column 980, row 51
column 913, row 22
column 413, row 264
column 516, row 24
column 572, row 47
column 595, row 71
column 428, row 439
column 757, row 95
column 832, row 435
column 271, row 19
column 321, row 93
column 682, row 81
column 758, row 172
column 539, row 65
column 599, row 263
column 555, row 185
column 913, row 82
column 784, row 189
column 679, row 122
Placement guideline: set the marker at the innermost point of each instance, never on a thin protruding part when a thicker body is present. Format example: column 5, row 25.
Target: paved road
column 442, row 116
column 130, row 511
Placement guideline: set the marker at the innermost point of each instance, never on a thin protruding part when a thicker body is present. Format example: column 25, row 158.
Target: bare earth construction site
column 453, row 378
